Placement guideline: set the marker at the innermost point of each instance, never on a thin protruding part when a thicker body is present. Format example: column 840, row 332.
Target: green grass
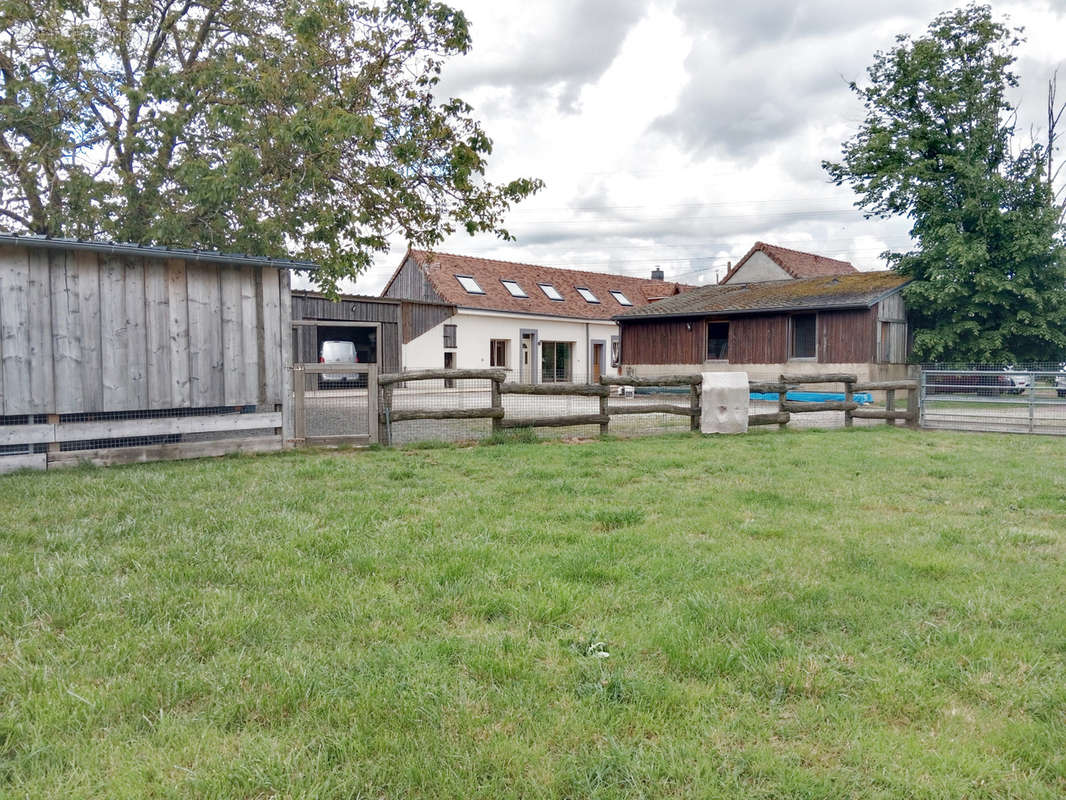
column 864, row 613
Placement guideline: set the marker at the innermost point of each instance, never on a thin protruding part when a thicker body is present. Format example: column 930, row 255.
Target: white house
column 540, row 323
column 770, row 262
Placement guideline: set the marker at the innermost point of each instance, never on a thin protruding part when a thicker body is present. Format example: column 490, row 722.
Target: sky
column 678, row 133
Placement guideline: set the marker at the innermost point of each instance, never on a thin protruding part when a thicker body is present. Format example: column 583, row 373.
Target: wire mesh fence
column 335, row 403
column 995, row 398
column 435, row 395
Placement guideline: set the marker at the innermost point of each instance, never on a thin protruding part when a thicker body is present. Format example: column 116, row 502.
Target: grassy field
column 864, row 613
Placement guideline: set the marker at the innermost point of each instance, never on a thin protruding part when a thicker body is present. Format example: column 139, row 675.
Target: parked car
column 983, row 383
column 334, row 351
column 1060, row 382
column 1020, row 382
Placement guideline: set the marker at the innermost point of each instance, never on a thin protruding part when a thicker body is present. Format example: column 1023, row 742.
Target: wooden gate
column 335, row 403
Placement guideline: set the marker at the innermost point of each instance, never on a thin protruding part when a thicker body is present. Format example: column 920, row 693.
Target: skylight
column 469, row 284
column 621, row 298
column 514, row 288
column 551, row 291
column 587, row 294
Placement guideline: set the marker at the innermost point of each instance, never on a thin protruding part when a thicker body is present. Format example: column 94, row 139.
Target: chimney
column 657, row 274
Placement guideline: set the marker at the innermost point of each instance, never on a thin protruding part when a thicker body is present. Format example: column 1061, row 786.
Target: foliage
column 278, row 127
column 871, row 613
column 937, row 145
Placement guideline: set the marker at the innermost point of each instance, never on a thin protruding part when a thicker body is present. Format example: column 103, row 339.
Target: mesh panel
column 438, row 395
column 335, row 404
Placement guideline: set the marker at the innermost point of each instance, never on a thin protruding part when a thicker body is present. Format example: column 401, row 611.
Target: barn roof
column 858, row 290
column 796, row 263
column 443, row 271
column 153, row 251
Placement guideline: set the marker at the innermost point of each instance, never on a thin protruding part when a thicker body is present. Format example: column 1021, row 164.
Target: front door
column 597, row 361
column 525, row 358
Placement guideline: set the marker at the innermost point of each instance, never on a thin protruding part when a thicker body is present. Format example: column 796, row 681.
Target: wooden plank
column 660, row 408
column 205, row 334
column 233, row 364
column 271, row 321
column 438, row 413
column 776, row 418
column 497, row 402
column 285, row 353
column 553, row 422
column 178, row 334
column 829, row 377
column 136, row 334
column 89, row 301
column 890, row 404
column 695, row 400
column 605, row 411
column 849, row 397
column 66, row 332
column 661, row 380
column 14, row 331
column 431, row 374
column 372, row 403
column 23, row 461
column 164, row 452
column 42, row 382
column 160, row 426
column 26, row 434
column 830, row 405
column 249, row 339
column 356, row 439
column 878, row 413
column 766, row 387
column 580, row 389
column 884, row 386
column 157, row 338
column 114, row 339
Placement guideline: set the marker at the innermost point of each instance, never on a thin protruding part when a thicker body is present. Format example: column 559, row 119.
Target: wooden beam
column 430, row 374
column 443, row 413
column 878, row 413
column 26, row 434
column 581, row 389
column 831, row 377
column 554, row 422
column 884, row 386
column 806, row 408
column 164, row 452
column 661, row 380
column 161, row 426
column 776, row 418
column 763, row 387
column 661, row 408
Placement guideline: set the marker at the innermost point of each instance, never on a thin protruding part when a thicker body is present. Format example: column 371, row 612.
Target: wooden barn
column 854, row 323
column 112, row 353
column 377, row 326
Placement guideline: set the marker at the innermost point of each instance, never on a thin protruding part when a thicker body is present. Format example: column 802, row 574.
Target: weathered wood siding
column 758, row 340
column 663, row 341
column 421, row 317
column 82, row 332
column 411, row 284
column 847, row 337
column 306, row 306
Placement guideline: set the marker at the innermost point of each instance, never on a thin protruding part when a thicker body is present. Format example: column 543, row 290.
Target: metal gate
column 335, row 403
column 1003, row 400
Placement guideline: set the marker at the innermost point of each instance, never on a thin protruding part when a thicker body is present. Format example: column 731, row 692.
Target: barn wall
column 846, row 337
column 758, row 340
column 663, row 341
column 411, row 284
column 84, row 332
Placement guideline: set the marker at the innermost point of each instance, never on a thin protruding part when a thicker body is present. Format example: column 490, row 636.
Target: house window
column 550, row 291
column 498, row 349
column 468, row 283
column 449, row 336
column 717, row 341
column 804, row 342
column 621, row 298
column 514, row 288
column 556, row 362
column 587, row 294
column 616, row 351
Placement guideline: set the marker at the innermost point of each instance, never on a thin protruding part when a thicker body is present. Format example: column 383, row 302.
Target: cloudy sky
column 677, row 133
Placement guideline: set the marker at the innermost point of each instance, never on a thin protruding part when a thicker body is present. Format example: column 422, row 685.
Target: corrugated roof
column 796, row 263
column 441, row 270
column 858, row 290
column 153, row 251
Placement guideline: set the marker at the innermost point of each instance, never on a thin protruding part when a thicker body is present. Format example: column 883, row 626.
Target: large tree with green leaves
column 938, row 146
column 307, row 128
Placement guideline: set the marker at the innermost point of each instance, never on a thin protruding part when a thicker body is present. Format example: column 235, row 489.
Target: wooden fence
column 602, row 391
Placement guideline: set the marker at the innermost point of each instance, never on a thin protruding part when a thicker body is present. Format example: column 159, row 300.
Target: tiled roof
column 858, row 290
column 795, row 262
column 441, row 270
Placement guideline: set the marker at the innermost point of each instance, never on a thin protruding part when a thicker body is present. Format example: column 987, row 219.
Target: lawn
column 853, row 613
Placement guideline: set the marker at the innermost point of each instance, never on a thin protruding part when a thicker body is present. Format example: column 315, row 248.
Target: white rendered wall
column 760, row 267
column 476, row 329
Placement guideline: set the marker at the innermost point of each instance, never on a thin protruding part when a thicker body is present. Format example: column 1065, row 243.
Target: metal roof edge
column 153, row 251
column 740, row 312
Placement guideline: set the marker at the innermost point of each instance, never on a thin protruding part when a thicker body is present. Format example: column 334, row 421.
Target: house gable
column 757, row 268
column 409, row 282
column 758, row 265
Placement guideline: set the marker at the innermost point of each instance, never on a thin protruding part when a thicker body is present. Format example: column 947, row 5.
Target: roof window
column 468, row 283
column 586, row 293
column 550, row 291
column 514, row 288
column 621, row 298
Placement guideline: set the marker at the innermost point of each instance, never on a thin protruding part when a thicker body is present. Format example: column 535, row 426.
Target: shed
column 121, row 352
column 831, row 323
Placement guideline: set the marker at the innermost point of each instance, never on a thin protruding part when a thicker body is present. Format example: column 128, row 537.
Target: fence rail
column 995, row 399
column 561, row 415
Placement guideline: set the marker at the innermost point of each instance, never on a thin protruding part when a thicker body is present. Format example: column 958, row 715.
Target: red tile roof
column 795, row 262
column 441, row 270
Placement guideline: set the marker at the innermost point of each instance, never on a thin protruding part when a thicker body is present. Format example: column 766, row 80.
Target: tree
column 279, row 127
column 937, row 145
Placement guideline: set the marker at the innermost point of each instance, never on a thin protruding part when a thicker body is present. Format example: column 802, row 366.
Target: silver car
column 333, row 351
column 1060, row 382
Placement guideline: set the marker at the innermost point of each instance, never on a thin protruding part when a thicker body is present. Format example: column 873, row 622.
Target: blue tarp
column 862, row 398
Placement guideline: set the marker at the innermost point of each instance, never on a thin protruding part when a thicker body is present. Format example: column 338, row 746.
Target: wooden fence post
column 912, row 408
column 781, row 399
column 849, row 397
column 384, row 415
column 890, row 405
column 299, row 418
column 496, row 402
column 695, row 392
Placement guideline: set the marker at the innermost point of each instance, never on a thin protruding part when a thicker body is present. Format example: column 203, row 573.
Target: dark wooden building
column 808, row 325
column 377, row 326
